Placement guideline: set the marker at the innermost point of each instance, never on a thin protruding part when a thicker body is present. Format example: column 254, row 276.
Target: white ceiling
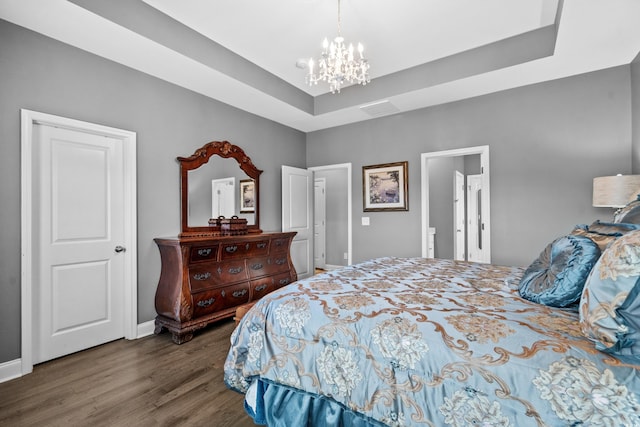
column 397, row 35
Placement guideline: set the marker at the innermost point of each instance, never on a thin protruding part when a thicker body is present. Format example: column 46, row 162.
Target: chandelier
column 337, row 64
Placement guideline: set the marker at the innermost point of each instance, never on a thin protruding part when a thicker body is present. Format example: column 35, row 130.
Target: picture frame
column 385, row 187
column 247, row 196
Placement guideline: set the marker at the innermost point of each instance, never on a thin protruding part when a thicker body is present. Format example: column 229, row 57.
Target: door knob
column 120, row 249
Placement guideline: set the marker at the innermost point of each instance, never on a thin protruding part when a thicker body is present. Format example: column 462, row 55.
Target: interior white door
column 320, row 223
column 458, row 216
column 78, row 290
column 297, row 215
column 223, row 197
column 474, row 218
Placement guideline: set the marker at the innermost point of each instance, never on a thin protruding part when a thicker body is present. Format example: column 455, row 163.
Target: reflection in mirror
column 215, row 190
column 223, row 200
column 218, row 179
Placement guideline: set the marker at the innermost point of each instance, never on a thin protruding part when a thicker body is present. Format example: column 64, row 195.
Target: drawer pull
column 202, row 276
column 279, row 242
column 261, row 288
column 284, row 282
column 261, row 245
column 231, row 249
column 238, row 294
column 257, row 266
column 206, row 302
column 281, row 261
column 235, row 270
column 204, row 252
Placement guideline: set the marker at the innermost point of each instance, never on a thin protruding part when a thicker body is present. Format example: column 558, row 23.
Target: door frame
column 28, row 120
column 483, row 151
column 346, row 166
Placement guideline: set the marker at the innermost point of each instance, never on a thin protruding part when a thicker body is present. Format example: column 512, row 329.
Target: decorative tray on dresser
column 204, row 279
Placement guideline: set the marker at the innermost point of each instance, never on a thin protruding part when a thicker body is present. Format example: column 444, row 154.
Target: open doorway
column 298, row 214
column 335, row 182
column 455, row 204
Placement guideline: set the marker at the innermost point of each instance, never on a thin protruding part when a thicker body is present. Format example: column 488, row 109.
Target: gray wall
column 41, row 74
column 635, row 110
column 547, row 142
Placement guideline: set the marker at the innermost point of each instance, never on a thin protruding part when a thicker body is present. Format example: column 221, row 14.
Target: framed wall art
column 385, row 187
column 247, row 196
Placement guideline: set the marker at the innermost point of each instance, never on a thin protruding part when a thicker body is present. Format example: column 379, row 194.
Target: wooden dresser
column 204, row 279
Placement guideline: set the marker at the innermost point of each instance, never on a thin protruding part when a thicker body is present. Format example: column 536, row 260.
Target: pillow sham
column 610, row 302
column 603, row 233
column 612, row 227
column 601, row 239
column 629, row 213
column 557, row 276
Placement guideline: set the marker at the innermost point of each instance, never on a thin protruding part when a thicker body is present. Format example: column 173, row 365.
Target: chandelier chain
column 339, row 22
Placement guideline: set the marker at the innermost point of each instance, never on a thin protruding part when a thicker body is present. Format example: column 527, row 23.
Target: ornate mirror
column 219, row 179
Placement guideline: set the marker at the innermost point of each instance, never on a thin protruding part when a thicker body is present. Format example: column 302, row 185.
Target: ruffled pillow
column 610, row 306
column 557, row 276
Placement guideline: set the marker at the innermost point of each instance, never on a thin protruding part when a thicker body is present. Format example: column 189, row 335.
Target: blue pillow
column 556, row 278
column 610, row 304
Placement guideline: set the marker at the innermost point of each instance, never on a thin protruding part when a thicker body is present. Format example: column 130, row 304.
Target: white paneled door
column 78, row 283
column 297, row 215
column 477, row 250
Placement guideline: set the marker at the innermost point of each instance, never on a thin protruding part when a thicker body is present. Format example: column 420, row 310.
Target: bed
column 435, row 342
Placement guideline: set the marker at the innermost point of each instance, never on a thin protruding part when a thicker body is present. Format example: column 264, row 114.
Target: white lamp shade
column 615, row 191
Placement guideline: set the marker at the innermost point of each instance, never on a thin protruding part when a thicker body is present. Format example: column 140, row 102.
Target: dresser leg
column 180, row 338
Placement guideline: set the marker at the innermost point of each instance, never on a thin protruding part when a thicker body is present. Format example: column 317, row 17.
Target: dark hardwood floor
column 146, row 382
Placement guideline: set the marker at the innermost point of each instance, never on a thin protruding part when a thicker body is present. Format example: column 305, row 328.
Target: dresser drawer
column 261, row 287
column 279, row 244
column 219, row 299
column 263, row 266
column 203, row 253
column 214, row 275
column 244, row 249
column 282, row 280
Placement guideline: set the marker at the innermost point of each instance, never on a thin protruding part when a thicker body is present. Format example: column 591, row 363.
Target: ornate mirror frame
column 200, row 157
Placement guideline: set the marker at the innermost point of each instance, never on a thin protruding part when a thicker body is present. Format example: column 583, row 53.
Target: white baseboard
column 13, row 368
column 10, row 370
column 329, row 267
column 145, row 329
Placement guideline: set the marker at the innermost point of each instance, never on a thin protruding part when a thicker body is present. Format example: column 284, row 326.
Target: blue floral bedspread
column 424, row 342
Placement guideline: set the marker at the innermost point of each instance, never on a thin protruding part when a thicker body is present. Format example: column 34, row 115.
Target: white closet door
column 79, row 217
